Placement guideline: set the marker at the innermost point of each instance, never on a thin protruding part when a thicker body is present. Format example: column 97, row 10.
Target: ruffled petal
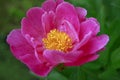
column 95, row 44
column 32, row 24
column 18, row 44
column 82, row 60
column 81, row 13
column 66, row 11
column 48, row 21
column 49, row 5
column 40, row 69
column 90, row 24
column 56, row 57
column 69, row 29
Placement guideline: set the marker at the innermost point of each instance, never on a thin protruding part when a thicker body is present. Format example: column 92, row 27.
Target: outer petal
column 90, row 24
column 19, row 46
column 41, row 69
column 32, row 25
column 82, row 60
column 81, row 13
column 66, row 11
column 95, row 44
column 48, row 21
column 56, row 57
column 25, row 53
column 49, row 5
column 70, row 30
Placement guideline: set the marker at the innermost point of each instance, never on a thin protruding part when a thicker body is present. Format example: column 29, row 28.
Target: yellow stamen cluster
column 57, row 40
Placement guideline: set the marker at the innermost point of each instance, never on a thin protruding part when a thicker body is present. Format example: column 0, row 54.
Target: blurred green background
column 107, row 67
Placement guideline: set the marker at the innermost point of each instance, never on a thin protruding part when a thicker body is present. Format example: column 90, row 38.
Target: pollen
column 57, row 40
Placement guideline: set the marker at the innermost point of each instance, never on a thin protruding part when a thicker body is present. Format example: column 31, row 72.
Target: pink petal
column 39, row 53
column 25, row 53
column 48, row 21
column 82, row 42
column 66, row 11
column 95, row 44
column 81, row 13
column 59, row 1
column 19, row 46
column 69, row 29
column 82, row 60
column 33, row 41
column 49, row 5
column 89, row 25
column 56, row 57
column 40, row 69
column 32, row 25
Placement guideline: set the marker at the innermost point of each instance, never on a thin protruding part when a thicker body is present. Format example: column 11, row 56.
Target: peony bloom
column 56, row 33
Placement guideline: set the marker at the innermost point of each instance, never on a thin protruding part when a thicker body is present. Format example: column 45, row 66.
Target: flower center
column 57, row 40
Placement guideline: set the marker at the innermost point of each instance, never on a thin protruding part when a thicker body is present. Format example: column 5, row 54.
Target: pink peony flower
column 56, row 33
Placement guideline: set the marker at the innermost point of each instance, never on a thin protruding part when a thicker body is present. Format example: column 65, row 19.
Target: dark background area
column 107, row 67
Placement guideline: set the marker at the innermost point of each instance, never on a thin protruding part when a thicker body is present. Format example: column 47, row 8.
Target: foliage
column 107, row 67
